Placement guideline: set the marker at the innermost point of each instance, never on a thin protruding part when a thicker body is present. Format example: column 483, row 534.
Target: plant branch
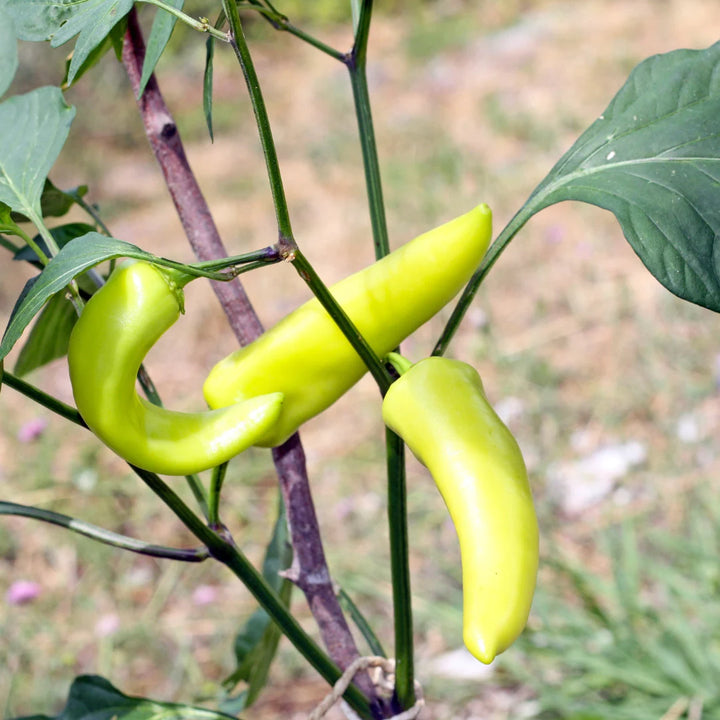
column 102, row 535
column 309, row 556
column 223, row 549
column 202, row 25
column 242, row 52
column 42, row 398
column 395, row 449
column 491, row 257
column 400, row 570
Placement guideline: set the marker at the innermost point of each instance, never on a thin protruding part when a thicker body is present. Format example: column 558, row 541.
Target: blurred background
column 609, row 382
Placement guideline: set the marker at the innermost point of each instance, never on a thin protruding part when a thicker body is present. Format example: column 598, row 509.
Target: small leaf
column 162, row 27
column 93, row 58
column 49, row 337
column 76, row 257
column 8, row 51
column 7, row 224
column 33, row 130
column 61, row 20
column 208, row 84
column 93, row 698
column 653, row 159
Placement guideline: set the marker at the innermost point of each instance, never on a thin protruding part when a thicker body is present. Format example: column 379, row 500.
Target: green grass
column 626, row 643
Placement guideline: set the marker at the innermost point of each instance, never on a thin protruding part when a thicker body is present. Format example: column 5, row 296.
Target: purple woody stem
column 309, row 571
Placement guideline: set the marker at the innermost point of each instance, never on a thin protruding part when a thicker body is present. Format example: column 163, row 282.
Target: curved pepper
column 438, row 407
column 307, row 358
column 116, row 329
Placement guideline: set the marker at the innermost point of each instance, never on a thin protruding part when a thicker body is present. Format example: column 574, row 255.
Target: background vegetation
column 609, row 382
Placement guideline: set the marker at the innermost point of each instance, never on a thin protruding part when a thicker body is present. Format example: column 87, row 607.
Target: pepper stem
column 400, row 363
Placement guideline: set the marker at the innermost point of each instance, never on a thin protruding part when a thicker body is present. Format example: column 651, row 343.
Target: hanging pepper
column 307, row 358
column 116, row 329
column 439, row 408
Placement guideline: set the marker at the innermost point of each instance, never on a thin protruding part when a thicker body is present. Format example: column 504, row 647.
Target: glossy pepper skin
column 438, row 407
column 117, row 327
column 307, row 358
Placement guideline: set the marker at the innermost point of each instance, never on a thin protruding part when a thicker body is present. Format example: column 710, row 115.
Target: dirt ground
column 569, row 321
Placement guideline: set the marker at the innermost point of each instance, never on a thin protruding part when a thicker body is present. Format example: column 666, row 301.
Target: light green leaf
column 61, row 20
column 160, row 33
column 76, row 257
column 37, row 20
column 8, row 51
column 33, row 130
column 653, row 159
column 93, row 698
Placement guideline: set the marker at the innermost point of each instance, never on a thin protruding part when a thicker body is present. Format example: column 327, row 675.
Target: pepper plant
column 651, row 159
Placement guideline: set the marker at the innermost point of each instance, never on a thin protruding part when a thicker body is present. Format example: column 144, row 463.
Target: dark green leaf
column 7, row 224
column 8, row 51
column 33, row 130
column 49, row 336
column 208, row 84
column 256, row 644
column 93, row 58
column 55, row 202
column 162, row 28
column 93, row 698
column 76, row 257
column 62, row 20
column 62, row 234
column 653, row 159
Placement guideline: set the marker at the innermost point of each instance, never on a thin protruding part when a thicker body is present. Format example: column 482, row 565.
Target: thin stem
column 395, row 449
column 282, row 23
column 357, row 64
column 361, row 346
column 102, row 535
column 42, row 398
column 216, row 483
column 491, row 257
column 91, row 211
column 226, row 552
column 400, row 570
column 203, row 25
column 242, row 52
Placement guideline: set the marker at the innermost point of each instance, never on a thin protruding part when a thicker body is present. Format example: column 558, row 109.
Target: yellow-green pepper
column 439, row 408
column 307, row 358
column 116, row 329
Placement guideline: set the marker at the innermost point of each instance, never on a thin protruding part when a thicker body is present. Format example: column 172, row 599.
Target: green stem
column 400, row 570
column 225, row 551
column 357, row 64
column 397, row 492
column 42, row 398
column 355, row 338
column 216, row 483
column 90, row 210
column 242, row 52
column 104, row 536
column 491, row 257
column 202, row 25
